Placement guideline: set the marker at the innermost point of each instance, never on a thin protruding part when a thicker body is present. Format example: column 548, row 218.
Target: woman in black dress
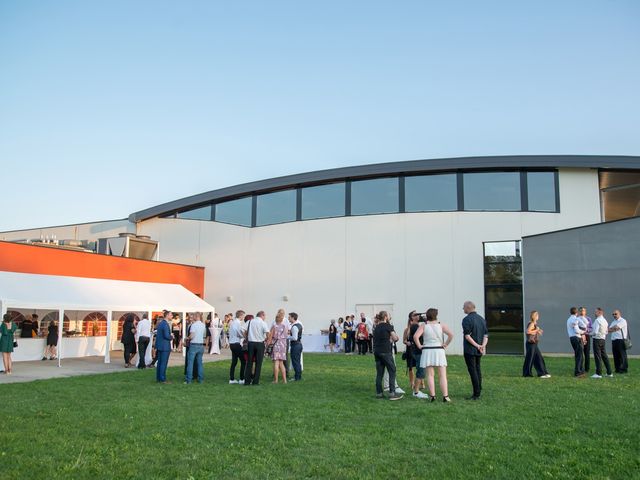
column 128, row 340
column 52, row 341
column 533, row 357
column 332, row 335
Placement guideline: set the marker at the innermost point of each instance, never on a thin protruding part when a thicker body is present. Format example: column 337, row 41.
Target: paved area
column 71, row 367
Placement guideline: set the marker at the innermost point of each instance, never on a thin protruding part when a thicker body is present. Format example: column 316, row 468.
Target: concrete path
column 71, row 367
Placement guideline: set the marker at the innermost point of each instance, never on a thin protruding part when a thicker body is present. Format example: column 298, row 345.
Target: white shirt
column 584, row 324
column 622, row 324
column 258, row 330
column 573, row 327
column 369, row 326
column 236, row 331
column 197, row 332
column 294, row 333
column 144, row 328
column 600, row 328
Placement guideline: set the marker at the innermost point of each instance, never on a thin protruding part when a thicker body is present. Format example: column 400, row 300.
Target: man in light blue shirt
column 196, row 337
column 575, row 333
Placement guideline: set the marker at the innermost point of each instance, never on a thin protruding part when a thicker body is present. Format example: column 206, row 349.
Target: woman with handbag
column 277, row 343
column 7, row 341
column 533, row 357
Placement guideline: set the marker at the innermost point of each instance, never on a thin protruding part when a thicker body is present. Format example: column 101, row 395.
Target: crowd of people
column 583, row 332
column 249, row 339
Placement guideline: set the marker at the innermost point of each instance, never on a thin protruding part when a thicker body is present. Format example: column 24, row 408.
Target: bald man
column 476, row 337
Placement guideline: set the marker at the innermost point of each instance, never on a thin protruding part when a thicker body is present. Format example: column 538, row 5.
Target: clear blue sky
column 108, row 107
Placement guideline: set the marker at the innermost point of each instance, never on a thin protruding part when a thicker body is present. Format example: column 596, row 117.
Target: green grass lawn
column 124, row 425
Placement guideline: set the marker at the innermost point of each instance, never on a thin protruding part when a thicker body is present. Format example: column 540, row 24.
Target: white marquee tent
column 59, row 293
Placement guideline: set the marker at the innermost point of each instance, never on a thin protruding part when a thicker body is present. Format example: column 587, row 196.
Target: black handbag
column 15, row 344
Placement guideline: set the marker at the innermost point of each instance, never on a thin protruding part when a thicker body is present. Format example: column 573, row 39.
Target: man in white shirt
column 619, row 331
column 600, row 328
column 197, row 333
column 575, row 333
column 236, row 336
column 144, row 337
column 296, row 346
column 257, row 332
column 586, row 325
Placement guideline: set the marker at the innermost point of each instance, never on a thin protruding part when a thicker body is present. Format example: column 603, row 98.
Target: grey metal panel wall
column 593, row 266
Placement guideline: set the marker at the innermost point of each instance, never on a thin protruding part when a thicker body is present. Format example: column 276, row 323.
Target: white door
column 371, row 309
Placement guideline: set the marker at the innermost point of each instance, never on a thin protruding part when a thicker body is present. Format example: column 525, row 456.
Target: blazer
column 163, row 337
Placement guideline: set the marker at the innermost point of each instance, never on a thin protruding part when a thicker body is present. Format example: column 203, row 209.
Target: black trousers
column 473, row 367
column 578, row 354
column 296, row 355
column 385, row 360
column 129, row 351
column 362, row 347
column 257, row 349
column 143, row 343
column 237, row 354
column 586, row 349
column 533, row 359
column 600, row 355
column 352, row 338
column 619, row 356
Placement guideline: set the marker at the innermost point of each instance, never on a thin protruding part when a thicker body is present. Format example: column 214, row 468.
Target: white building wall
column 326, row 267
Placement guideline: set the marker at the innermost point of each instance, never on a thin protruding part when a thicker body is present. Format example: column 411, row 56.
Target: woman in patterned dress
column 278, row 338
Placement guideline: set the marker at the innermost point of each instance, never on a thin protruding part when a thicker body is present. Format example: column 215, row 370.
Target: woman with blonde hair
column 533, row 357
column 277, row 340
column 429, row 338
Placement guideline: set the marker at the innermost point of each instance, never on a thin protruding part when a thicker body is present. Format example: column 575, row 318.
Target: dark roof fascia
column 392, row 168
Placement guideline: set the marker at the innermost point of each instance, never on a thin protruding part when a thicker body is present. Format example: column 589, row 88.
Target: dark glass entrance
column 503, row 296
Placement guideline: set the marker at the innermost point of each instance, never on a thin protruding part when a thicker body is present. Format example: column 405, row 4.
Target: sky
column 110, row 107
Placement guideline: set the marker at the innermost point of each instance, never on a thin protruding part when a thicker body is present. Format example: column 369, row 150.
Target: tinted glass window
column 277, row 207
column 323, row 201
column 236, row 212
column 492, row 191
column 503, row 296
column 374, row 196
column 202, row 213
column 541, row 190
column 431, row 193
column 620, row 194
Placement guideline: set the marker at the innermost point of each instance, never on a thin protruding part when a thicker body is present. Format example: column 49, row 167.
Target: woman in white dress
column 215, row 329
column 430, row 339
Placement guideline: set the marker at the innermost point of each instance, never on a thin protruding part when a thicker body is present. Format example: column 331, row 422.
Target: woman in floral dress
column 278, row 338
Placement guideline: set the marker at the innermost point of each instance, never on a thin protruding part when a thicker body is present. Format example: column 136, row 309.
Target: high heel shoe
column 446, row 399
column 432, row 398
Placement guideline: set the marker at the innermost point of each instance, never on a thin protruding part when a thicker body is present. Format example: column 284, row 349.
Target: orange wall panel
column 20, row 258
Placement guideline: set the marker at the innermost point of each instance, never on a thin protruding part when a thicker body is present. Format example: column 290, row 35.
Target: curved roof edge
column 393, row 168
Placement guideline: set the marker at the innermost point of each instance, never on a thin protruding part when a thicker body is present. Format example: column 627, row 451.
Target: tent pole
column 60, row 328
column 107, row 353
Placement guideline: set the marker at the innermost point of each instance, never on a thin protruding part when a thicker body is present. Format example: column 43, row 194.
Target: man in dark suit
column 163, row 346
column 476, row 337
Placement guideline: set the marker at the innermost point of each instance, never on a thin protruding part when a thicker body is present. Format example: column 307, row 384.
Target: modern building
column 395, row 236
